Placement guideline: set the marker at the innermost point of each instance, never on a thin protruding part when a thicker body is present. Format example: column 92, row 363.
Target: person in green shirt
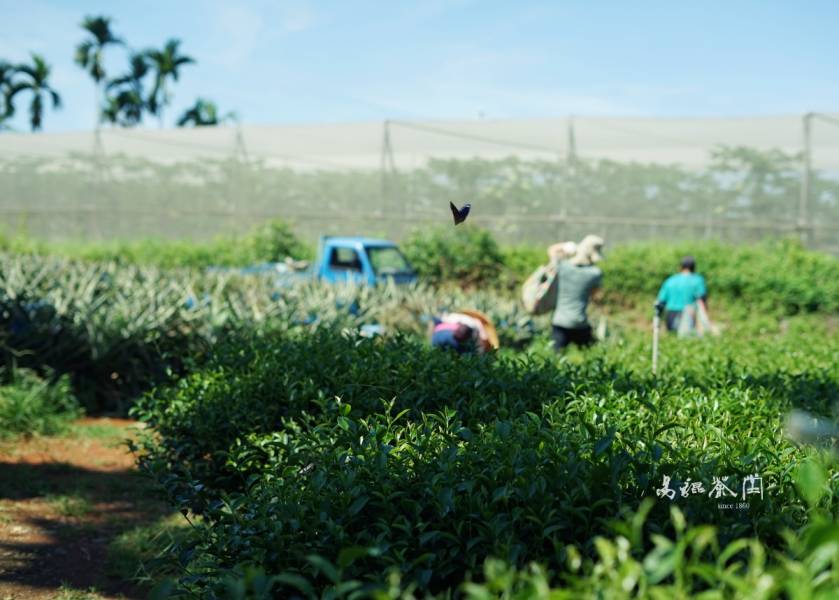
column 578, row 277
column 682, row 291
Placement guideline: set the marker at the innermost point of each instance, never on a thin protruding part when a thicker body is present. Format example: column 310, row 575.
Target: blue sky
column 291, row 61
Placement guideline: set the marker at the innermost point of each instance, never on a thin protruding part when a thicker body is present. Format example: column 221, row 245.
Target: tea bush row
column 315, row 444
column 692, row 563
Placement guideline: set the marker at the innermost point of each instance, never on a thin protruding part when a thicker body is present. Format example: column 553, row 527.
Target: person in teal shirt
column 680, row 291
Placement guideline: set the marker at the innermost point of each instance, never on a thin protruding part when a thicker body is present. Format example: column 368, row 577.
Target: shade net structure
column 537, row 181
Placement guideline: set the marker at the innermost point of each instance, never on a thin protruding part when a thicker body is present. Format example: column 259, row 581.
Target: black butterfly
column 460, row 215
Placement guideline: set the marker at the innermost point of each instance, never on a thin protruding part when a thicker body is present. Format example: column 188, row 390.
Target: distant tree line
column 143, row 89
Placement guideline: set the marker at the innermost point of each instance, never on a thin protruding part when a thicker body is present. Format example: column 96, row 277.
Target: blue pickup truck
column 358, row 260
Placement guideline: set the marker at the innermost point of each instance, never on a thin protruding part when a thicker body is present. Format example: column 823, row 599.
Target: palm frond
column 56, row 98
column 16, row 88
column 42, row 68
column 83, row 52
column 36, row 111
column 25, row 69
column 100, row 28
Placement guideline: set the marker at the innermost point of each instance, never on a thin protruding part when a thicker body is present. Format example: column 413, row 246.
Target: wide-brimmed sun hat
column 492, row 335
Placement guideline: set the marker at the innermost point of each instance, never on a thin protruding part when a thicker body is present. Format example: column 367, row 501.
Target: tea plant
column 315, row 444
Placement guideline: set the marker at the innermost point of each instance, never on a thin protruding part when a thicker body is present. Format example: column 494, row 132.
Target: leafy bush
column 691, row 563
column 775, row 276
column 780, row 275
column 31, row 405
column 272, row 242
column 464, row 255
column 383, row 455
column 520, row 262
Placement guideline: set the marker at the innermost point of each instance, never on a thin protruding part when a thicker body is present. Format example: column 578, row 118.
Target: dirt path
column 66, row 503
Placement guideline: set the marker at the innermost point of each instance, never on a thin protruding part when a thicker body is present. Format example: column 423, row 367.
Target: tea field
column 349, row 467
column 310, row 460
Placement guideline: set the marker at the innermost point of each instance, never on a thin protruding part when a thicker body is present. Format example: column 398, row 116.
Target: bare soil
column 62, row 501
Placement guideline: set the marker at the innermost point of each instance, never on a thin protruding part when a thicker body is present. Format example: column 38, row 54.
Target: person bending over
column 465, row 332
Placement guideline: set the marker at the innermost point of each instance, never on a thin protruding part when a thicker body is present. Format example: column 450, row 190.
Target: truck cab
column 361, row 260
column 356, row 260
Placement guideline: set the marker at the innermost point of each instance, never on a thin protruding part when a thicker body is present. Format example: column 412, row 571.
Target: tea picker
column 465, row 331
column 658, row 311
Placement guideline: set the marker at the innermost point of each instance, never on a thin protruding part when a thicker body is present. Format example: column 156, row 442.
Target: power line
column 226, row 151
column 637, row 133
column 827, row 118
column 428, row 217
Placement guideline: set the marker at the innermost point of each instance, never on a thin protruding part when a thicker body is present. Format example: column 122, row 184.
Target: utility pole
column 241, row 150
column 100, row 178
column 387, row 163
column 804, row 227
column 805, row 224
column 570, row 184
column 242, row 175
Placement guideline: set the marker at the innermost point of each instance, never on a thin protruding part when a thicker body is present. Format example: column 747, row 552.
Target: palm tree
column 126, row 107
column 7, row 109
column 204, row 113
column 36, row 82
column 89, row 53
column 166, row 63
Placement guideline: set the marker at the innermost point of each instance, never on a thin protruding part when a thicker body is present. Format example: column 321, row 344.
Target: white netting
column 731, row 178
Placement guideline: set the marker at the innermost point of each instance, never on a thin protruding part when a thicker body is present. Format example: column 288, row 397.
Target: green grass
column 108, row 434
column 5, row 519
column 67, row 592
column 70, row 505
column 30, row 405
column 140, row 554
column 113, row 434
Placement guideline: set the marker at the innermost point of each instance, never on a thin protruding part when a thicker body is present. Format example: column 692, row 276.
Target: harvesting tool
column 658, row 311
